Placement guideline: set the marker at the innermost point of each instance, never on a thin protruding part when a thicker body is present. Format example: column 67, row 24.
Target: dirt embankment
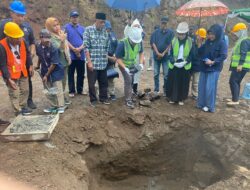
column 112, row 148
column 38, row 11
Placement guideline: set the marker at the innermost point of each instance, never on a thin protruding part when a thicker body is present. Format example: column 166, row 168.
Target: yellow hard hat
column 12, row 30
column 238, row 27
column 201, row 32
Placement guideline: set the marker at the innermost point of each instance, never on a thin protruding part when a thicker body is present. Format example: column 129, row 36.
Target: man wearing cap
column 75, row 38
column 240, row 62
column 126, row 54
column 17, row 13
column 161, row 42
column 15, row 66
column 96, row 44
column 51, row 72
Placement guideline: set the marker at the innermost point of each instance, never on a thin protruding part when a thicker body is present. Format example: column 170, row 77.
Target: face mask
column 238, row 34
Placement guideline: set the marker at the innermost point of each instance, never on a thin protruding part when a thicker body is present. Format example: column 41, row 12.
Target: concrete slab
column 31, row 128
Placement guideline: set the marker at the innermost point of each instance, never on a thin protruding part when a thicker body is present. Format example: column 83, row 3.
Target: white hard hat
column 135, row 34
column 182, row 28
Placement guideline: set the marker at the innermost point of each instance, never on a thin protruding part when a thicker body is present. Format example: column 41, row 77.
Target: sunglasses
column 17, row 55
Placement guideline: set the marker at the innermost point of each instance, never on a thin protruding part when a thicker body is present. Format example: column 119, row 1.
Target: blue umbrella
column 133, row 5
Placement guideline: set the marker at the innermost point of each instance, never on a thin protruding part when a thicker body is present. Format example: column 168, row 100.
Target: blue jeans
column 234, row 81
column 207, row 90
column 157, row 67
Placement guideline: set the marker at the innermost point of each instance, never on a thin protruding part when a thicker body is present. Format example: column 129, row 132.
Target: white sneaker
column 149, row 69
column 61, row 109
column 233, row 103
column 181, row 103
column 171, row 102
column 71, row 95
column 205, row 109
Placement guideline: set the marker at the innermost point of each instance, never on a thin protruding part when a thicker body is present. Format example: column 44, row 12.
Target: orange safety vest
column 15, row 69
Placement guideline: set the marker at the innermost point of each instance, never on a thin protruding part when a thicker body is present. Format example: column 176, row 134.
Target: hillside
column 39, row 10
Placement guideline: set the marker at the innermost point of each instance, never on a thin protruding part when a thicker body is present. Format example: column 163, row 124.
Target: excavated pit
column 187, row 154
column 176, row 161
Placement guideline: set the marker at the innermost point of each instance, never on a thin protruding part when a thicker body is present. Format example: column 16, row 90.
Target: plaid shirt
column 96, row 42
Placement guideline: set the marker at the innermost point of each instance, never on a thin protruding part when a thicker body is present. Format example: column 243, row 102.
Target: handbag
column 112, row 73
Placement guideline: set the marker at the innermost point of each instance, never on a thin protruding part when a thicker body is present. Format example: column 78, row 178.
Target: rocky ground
column 157, row 148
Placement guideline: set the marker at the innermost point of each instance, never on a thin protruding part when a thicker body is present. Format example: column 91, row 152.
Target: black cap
column 44, row 33
column 74, row 13
column 101, row 16
column 164, row 19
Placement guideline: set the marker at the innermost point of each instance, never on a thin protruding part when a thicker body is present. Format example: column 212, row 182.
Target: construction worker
column 126, row 54
column 240, row 61
column 200, row 34
column 179, row 66
column 17, row 14
column 15, row 59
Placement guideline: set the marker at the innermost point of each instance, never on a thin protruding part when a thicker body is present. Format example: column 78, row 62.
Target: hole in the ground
column 176, row 161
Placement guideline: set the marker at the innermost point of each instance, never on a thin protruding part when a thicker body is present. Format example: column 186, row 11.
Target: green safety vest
column 130, row 53
column 187, row 49
column 236, row 56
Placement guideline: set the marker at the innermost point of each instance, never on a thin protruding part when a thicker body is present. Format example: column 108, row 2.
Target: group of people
column 62, row 50
column 198, row 56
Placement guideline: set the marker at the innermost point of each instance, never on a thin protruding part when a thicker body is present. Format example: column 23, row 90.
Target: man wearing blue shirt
column 160, row 42
column 52, row 72
column 17, row 13
column 75, row 38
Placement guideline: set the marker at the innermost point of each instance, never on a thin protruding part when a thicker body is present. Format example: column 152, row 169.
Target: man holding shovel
column 126, row 53
column 51, row 72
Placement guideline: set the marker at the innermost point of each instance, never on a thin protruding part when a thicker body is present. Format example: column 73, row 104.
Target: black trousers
column 79, row 66
column 30, row 87
column 234, row 81
column 101, row 77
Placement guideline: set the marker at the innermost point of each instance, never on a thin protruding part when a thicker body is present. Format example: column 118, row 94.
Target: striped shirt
column 96, row 42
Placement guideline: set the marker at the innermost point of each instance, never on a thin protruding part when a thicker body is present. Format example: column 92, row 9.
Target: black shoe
column 112, row 97
column 4, row 123
column 31, row 104
column 26, row 111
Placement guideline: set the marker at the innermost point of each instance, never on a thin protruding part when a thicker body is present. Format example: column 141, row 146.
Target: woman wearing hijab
column 179, row 66
column 59, row 41
column 213, row 54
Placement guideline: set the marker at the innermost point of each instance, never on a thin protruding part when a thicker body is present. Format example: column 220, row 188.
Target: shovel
column 48, row 91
